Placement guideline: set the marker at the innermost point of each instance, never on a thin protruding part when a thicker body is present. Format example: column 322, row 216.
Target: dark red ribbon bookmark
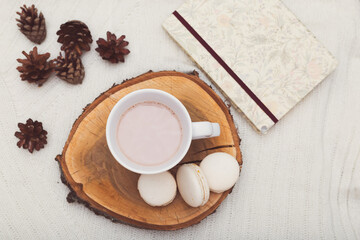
column 225, row 66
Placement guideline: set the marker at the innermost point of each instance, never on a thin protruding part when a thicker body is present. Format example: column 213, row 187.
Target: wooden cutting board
column 97, row 180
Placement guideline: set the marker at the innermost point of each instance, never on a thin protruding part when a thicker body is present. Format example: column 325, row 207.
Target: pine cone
column 31, row 24
column 35, row 68
column 74, row 36
column 70, row 68
column 32, row 135
column 112, row 49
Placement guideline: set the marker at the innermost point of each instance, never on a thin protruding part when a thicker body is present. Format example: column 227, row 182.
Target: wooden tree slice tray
column 96, row 179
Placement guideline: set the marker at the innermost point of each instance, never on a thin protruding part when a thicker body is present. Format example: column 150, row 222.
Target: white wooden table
column 301, row 181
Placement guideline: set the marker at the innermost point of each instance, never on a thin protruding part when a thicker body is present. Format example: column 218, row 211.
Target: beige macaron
column 157, row 189
column 192, row 185
column 221, row 171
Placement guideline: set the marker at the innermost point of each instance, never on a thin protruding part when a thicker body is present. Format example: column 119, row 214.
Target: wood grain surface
column 98, row 180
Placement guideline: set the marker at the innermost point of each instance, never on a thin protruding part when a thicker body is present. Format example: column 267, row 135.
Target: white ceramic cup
column 190, row 130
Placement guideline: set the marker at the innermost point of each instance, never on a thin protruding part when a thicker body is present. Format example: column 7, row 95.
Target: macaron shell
column 203, row 183
column 157, row 189
column 192, row 185
column 221, row 171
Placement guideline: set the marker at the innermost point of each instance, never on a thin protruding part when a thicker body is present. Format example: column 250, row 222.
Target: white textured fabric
column 301, row 181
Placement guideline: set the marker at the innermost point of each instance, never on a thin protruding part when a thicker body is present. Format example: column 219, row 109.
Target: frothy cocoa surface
column 149, row 133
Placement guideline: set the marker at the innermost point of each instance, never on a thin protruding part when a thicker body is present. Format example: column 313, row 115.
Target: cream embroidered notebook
column 257, row 52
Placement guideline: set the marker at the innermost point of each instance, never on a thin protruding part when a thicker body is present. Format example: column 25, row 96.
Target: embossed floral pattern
column 273, row 53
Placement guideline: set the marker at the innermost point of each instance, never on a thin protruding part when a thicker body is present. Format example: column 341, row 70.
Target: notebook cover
column 262, row 58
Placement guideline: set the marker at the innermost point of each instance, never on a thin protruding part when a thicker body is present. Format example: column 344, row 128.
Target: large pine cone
column 32, row 135
column 74, row 36
column 112, row 49
column 35, row 68
column 70, row 68
column 31, row 24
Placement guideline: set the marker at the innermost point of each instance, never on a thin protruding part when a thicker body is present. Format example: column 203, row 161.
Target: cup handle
column 205, row 130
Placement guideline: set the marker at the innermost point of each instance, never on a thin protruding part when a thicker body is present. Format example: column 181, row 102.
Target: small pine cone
column 112, row 49
column 70, row 68
column 35, row 68
column 74, row 36
column 31, row 24
column 32, row 135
